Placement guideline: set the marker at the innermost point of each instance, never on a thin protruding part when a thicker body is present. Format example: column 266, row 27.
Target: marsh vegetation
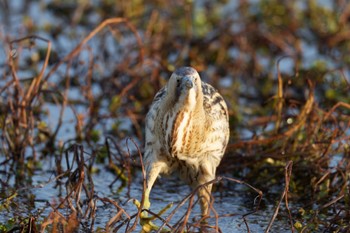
column 77, row 78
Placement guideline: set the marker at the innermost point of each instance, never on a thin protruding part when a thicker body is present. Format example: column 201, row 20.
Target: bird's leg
column 204, row 194
column 206, row 173
column 145, row 221
column 151, row 178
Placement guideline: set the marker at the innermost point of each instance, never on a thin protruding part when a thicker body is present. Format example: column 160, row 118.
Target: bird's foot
column 146, row 221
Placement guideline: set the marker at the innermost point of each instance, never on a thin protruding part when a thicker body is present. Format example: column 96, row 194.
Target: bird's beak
column 188, row 82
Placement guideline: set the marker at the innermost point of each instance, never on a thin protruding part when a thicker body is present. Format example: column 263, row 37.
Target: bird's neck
column 191, row 104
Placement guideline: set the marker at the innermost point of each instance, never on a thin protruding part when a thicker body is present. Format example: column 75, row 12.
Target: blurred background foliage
column 282, row 66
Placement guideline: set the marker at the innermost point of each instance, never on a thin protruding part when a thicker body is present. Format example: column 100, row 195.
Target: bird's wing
column 155, row 103
column 213, row 103
column 160, row 95
column 153, row 112
column 217, row 125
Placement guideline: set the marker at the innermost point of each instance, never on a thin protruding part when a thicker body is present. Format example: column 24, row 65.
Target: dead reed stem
column 102, row 25
column 190, row 197
column 280, row 99
column 28, row 96
column 287, row 174
column 144, row 185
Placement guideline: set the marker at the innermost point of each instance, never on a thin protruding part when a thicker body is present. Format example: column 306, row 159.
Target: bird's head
column 185, row 85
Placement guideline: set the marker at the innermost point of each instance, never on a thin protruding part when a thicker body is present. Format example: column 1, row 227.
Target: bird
column 186, row 132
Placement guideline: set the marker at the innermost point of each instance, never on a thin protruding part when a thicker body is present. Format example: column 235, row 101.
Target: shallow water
column 232, row 199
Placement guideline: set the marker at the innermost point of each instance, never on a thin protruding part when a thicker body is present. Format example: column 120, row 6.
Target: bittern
column 187, row 131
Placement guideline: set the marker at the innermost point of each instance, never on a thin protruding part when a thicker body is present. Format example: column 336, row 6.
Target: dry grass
column 280, row 117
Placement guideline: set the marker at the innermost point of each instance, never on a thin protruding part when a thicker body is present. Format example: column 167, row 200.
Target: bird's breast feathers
column 189, row 126
column 186, row 133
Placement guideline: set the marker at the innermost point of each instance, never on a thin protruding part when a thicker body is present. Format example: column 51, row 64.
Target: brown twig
column 102, row 25
column 190, row 197
column 27, row 97
column 280, row 99
column 288, row 172
column 337, row 105
column 143, row 183
column 300, row 121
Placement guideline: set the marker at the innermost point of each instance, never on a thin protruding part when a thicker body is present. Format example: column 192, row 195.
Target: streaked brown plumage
column 187, row 131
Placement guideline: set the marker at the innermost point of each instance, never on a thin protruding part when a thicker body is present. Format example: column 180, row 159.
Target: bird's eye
column 178, row 80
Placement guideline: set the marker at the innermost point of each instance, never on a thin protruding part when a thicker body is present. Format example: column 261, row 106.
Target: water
column 232, row 200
